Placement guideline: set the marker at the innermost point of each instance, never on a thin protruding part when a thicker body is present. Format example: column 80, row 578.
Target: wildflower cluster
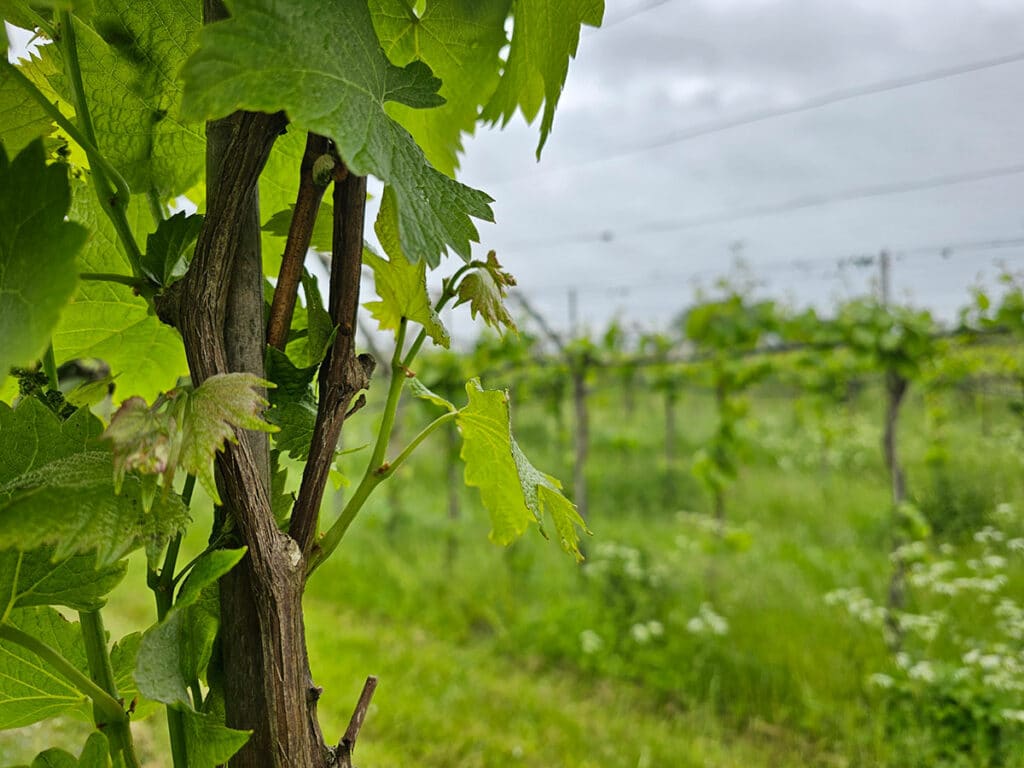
column 837, row 443
column 707, row 622
column 634, row 597
column 964, row 690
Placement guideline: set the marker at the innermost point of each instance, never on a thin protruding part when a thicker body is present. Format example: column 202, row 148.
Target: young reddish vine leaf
column 143, row 440
column 485, row 289
column 186, row 428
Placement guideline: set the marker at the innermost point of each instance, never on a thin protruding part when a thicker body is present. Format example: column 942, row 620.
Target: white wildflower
column 590, row 641
column 922, row 671
column 881, row 681
column 641, row 634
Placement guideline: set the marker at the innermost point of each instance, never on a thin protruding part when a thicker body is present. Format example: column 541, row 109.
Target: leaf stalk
column 111, row 189
column 50, row 367
column 377, row 469
column 96, row 158
column 116, row 727
column 449, row 292
column 103, row 701
column 136, row 283
column 162, row 584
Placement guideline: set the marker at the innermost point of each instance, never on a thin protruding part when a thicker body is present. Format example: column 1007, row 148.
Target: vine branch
column 347, row 745
column 342, row 374
column 377, row 469
column 312, row 182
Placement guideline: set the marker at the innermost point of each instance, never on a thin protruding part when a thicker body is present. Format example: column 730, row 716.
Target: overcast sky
column 628, row 229
column 688, row 63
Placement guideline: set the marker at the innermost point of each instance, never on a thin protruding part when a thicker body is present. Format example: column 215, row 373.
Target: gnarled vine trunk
column 218, row 307
column 266, row 678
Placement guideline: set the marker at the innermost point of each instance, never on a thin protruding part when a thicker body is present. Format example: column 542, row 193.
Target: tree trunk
column 896, row 389
column 670, row 446
column 582, row 438
column 454, row 483
column 719, row 503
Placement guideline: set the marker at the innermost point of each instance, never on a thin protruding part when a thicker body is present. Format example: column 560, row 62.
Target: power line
column 862, row 259
column 771, row 209
column 682, row 135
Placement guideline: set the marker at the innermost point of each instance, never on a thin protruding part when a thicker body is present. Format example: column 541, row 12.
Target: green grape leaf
column 202, row 624
column 293, row 404
column 22, row 119
column 123, row 656
column 279, row 185
column 90, row 393
column 44, row 462
column 319, row 328
column 386, row 227
column 29, row 690
column 209, row 742
column 95, row 753
column 130, row 56
column 274, row 56
column 296, row 421
column 511, row 488
column 460, row 40
column 55, row 758
column 281, row 500
column 206, row 572
column 169, row 249
column 290, row 382
column 420, row 390
column 108, row 321
column 402, row 287
column 34, row 200
column 545, row 35
column 485, row 289
column 28, row 14
column 177, row 650
column 158, row 665
column 36, row 578
column 280, row 223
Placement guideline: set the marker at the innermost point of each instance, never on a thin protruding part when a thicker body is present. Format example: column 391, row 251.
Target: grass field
column 674, row 645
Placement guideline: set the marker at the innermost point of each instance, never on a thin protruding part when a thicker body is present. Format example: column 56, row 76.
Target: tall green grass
column 517, row 656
